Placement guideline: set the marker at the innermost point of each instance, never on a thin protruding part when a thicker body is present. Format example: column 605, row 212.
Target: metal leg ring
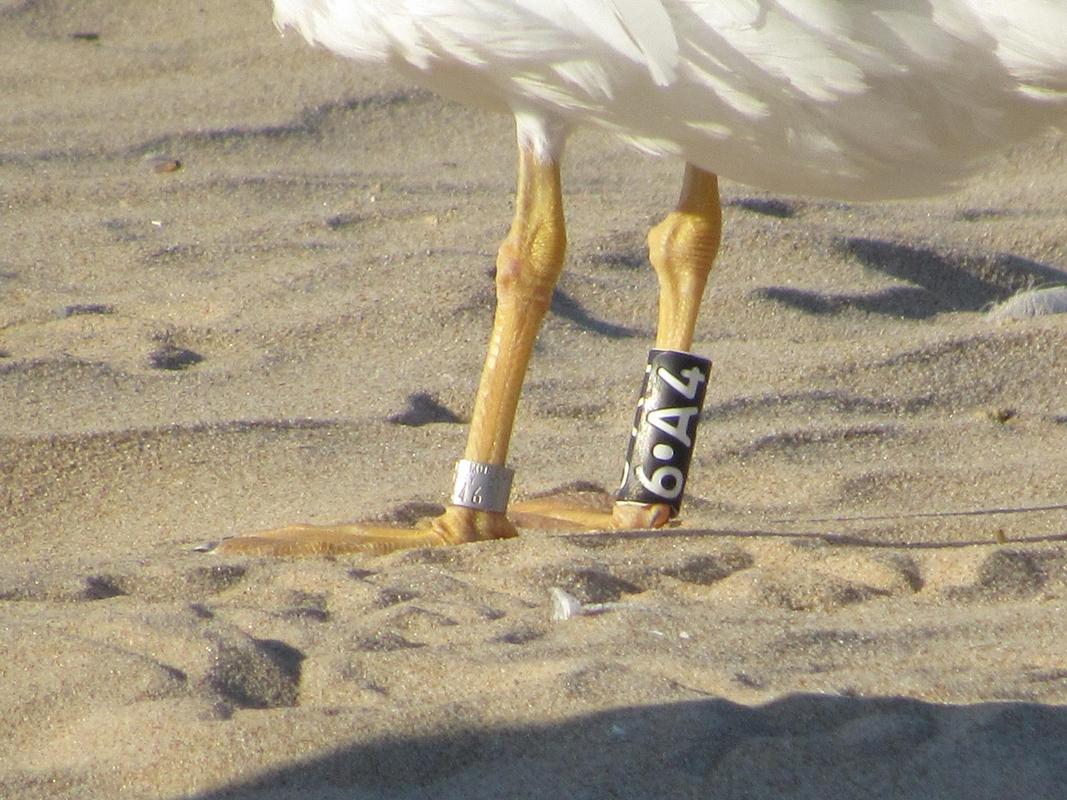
column 485, row 487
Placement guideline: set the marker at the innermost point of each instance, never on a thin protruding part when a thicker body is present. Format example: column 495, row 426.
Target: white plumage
column 858, row 99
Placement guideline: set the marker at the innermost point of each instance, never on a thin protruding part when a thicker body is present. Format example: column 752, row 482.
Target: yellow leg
column 528, row 265
column 682, row 249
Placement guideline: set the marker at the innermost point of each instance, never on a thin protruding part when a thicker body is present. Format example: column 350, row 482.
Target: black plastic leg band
column 661, row 441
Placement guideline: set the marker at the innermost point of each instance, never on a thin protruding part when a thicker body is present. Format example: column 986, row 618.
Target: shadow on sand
column 938, row 282
column 800, row 746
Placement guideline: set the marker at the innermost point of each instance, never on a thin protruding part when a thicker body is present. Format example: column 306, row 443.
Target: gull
column 847, row 99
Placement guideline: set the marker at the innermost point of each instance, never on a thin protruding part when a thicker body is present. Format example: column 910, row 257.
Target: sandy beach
column 244, row 284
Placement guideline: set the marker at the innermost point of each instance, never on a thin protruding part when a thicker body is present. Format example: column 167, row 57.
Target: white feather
column 640, row 29
column 847, row 98
column 1031, row 303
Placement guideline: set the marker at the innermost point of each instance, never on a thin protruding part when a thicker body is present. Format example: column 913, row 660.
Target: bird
column 846, row 99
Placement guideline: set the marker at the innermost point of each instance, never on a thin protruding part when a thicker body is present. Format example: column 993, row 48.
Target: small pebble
column 1000, row 415
column 163, row 165
column 82, row 309
column 173, row 358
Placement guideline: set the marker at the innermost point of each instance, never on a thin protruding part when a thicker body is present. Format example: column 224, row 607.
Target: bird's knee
column 528, row 269
column 683, row 243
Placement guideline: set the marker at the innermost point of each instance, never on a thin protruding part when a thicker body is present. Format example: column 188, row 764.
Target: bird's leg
column 682, row 249
column 528, row 265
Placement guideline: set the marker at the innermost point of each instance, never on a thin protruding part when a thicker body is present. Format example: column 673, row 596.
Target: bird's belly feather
column 863, row 99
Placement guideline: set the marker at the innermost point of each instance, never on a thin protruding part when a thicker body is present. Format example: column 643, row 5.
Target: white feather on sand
column 1031, row 303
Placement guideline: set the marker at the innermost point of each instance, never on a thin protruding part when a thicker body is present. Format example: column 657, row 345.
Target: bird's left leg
column 682, row 249
column 528, row 264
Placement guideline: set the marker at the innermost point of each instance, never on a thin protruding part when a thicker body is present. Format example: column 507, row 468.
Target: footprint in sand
column 254, row 673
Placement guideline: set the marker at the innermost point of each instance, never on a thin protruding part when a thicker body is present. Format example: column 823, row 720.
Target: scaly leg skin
column 528, row 264
column 682, row 249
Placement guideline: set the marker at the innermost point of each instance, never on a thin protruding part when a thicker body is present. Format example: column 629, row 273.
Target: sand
column 243, row 284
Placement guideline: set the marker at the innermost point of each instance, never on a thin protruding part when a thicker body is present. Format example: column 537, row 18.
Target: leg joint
column 684, row 241
column 529, row 268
